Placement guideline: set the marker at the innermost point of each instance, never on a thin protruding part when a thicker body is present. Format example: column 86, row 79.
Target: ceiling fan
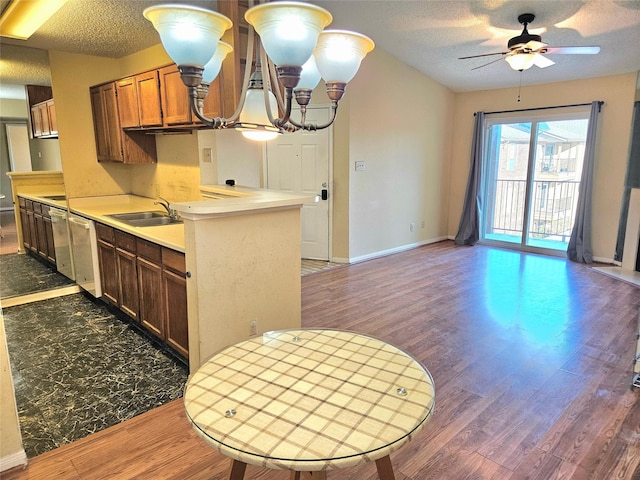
column 527, row 50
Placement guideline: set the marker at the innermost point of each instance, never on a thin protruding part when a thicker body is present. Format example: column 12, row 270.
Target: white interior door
column 18, row 143
column 299, row 163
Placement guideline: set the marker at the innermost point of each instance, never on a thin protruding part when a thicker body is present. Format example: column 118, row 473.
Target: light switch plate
column 207, row 155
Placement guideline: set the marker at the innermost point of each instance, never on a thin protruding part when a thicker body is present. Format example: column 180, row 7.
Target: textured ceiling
column 429, row 35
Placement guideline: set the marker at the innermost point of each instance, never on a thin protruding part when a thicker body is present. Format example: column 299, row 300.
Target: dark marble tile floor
column 79, row 368
column 21, row 274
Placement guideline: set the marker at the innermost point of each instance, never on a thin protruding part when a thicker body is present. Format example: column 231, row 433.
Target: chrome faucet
column 167, row 206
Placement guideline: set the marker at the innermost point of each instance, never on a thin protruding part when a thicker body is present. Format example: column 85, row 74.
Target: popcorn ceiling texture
column 427, row 35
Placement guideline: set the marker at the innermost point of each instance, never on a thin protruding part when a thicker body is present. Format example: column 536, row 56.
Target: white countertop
column 221, row 200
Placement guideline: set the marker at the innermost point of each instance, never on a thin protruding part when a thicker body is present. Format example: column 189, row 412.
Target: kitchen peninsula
column 242, row 256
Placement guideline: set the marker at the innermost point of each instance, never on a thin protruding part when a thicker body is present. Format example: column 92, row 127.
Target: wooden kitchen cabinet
column 43, row 120
column 127, row 273
column 176, row 106
column 48, row 234
column 112, row 143
column 24, row 222
column 36, row 121
column 147, row 282
column 139, row 100
column 108, row 263
column 37, row 230
column 53, row 122
column 233, row 65
column 175, row 296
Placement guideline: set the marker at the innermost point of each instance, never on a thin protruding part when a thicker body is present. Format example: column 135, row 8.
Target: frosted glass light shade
column 288, row 30
column 521, row 61
column 339, row 54
column 310, row 76
column 189, row 34
column 254, row 119
column 212, row 68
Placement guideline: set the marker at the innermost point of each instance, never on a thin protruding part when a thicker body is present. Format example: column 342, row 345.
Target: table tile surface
column 309, row 400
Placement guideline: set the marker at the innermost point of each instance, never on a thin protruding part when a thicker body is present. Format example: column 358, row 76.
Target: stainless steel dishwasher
column 62, row 242
column 85, row 254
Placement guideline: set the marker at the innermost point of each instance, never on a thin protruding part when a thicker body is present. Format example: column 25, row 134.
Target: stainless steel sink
column 145, row 219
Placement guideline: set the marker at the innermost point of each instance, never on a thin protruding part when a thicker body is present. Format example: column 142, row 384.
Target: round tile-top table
column 309, row 401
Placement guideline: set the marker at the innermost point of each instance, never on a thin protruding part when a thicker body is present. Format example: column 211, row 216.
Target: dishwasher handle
column 83, row 223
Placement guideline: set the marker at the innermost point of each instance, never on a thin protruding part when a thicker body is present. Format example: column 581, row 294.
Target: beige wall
column 45, row 154
column 613, row 146
column 11, row 451
column 400, row 125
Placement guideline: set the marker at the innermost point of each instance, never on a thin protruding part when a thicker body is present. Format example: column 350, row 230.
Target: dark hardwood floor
column 531, row 356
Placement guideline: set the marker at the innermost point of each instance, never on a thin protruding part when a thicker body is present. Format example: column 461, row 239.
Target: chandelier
column 293, row 53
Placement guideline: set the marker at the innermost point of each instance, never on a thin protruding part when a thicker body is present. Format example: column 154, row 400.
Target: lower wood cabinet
column 37, row 231
column 146, row 281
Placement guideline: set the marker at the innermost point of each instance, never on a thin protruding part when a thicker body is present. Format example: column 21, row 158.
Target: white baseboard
column 14, row 460
column 391, row 251
column 610, row 261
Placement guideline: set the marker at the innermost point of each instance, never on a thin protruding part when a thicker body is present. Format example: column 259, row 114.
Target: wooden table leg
column 237, row 470
column 385, row 469
column 308, row 475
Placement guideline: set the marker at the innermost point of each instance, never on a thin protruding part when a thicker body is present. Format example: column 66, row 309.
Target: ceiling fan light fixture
column 521, row 61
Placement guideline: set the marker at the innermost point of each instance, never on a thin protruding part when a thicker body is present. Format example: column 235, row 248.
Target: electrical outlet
column 253, row 328
column 422, row 224
column 207, row 155
column 412, row 227
column 359, row 166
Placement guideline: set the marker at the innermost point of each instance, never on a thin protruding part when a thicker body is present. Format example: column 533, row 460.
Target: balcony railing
column 553, row 206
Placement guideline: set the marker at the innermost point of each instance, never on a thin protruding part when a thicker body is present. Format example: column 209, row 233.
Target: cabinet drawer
column 45, row 210
column 174, row 260
column 29, row 205
column 37, row 207
column 22, row 202
column 105, row 233
column 125, row 241
column 149, row 251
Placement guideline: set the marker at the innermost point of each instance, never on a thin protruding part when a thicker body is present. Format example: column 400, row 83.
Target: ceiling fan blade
column 533, row 45
column 483, row 55
column 541, row 61
column 574, row 50
column 484, row 65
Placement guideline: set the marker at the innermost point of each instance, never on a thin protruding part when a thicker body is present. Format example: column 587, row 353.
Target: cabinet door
column 53, row 122
column 44, row 118
column 100, row 127
column 128, row 275
column 33, row 237
column 148, row 93
column 128, row 102
column 112, row 122
column 108, row 272
column 234, row 63
column 174, row 96
column 212, row 106
column 36, row 121
column 40, row 234
column 50, row 250
column 26, row 231
column 175, row 290
column 151, row 297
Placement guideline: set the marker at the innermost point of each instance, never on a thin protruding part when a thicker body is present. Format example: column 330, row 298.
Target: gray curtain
column 469, row 228
column 579, row 249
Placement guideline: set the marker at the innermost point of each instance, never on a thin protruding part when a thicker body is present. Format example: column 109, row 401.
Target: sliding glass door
column 530, row 187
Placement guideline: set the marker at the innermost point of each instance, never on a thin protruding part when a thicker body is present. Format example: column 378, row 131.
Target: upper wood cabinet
column 53, row 122
column 112, row 143
column 233, row 65
column 176, row 105
column 43, row 120
column 139, row 100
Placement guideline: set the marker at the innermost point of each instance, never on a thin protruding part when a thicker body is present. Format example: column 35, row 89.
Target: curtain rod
column 600, row 103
